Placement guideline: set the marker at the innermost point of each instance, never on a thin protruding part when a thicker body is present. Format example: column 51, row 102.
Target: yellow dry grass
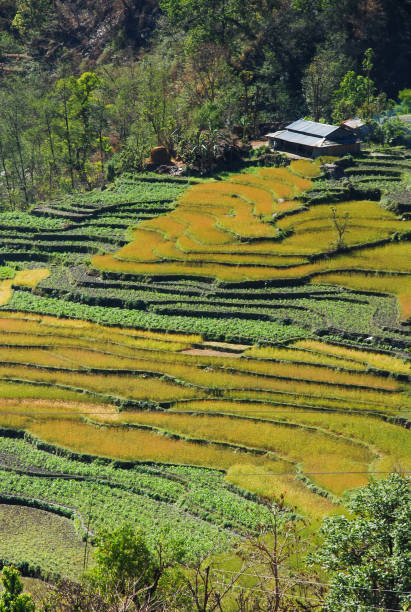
column 215, row 218
column 315, row 227
column 58, row 423
column 44, row 410
column 184, row 367
column 287, row 206
column 388, row 441
column 296, row 494
column 30, row 278
column 290, row 354
column 392, row 257
column 169, row 250
column 250, row 193
column 142, row 248
column 167, row 225
column 254, row 375
column 128, row 387
column 49, row 330
column 266, row 247
column 21, row 391
column 225, row 273
column 324, row 386
column 138, row 445
column 315, row 373
column 305, row 168
column 296, row 245
column 336, row 440
column 203, row 228
column 277, row 189
column 284, row 175
column 375, row 360
column 297, row 396
column 5, row 291
column 213, row 215
column 311, row 449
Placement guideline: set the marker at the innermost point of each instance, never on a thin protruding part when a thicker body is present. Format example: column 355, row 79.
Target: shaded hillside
column 79, row 28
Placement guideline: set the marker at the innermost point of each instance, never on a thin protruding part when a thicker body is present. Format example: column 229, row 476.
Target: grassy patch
column 41, row 539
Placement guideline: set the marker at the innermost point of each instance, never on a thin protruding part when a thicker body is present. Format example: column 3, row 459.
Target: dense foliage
column 88, row 104
column 13, row 599
column 369, row 553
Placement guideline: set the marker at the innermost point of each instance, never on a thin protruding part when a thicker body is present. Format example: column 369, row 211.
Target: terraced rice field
column 205, row 410
column 219, row 350
column 214, row 219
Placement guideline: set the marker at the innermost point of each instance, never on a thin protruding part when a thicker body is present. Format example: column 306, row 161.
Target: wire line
column 327, row 584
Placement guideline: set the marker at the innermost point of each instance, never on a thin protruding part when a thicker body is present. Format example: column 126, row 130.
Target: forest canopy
column 89, row 88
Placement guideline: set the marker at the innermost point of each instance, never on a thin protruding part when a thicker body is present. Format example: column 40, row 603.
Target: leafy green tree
column 357, row 94
column 369, row 553
column 15, row 121
column 351, row 95
column 122, row 556
column 13, row 599
column 83, row 105
column 207, row 20
column 320, row 80
column 82, row 122
column 64, row 128
column 405, row 99
column 30, row 16
column 127, row 570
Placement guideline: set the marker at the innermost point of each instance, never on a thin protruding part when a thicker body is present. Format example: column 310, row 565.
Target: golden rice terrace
column 176, row 349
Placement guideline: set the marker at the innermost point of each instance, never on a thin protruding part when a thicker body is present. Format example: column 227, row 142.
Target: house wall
column 338, row 151
column 307, row 151
column 290, row 147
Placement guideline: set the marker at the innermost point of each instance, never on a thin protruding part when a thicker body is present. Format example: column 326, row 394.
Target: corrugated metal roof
column 304, row 139
column 287, row 136
column 313, row 129
column 353, row 123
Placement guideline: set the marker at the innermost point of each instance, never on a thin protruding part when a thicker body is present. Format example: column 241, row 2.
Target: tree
column 62, row 90
column 405, row 99
column 357, row 94
column 208, row 20
column 122, row 558
column 320, row 81
column 30, row 16
column 158, row 98
column 341, row 227
column 83, row 103
column 13, row 599
column 207, row 591
column 368, row 553
column 82, row 123
column 274, row 552
column 130, row 576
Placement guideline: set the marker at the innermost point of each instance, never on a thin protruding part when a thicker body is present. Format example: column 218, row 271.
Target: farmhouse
column 311, row 139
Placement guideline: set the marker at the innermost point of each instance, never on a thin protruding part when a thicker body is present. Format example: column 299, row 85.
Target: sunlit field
column 235, row 231
column 294, row 409
column 224, row 349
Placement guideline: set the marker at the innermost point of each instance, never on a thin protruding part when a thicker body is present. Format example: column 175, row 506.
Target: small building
column 310, row 139
column 357, row 126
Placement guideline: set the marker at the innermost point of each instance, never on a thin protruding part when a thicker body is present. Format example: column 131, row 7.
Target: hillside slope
column 80, row 28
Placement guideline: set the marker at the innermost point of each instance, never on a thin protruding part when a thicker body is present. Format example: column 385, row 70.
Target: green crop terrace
column 186, row 347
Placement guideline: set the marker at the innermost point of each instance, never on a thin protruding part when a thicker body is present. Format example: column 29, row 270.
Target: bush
column 368, row 553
